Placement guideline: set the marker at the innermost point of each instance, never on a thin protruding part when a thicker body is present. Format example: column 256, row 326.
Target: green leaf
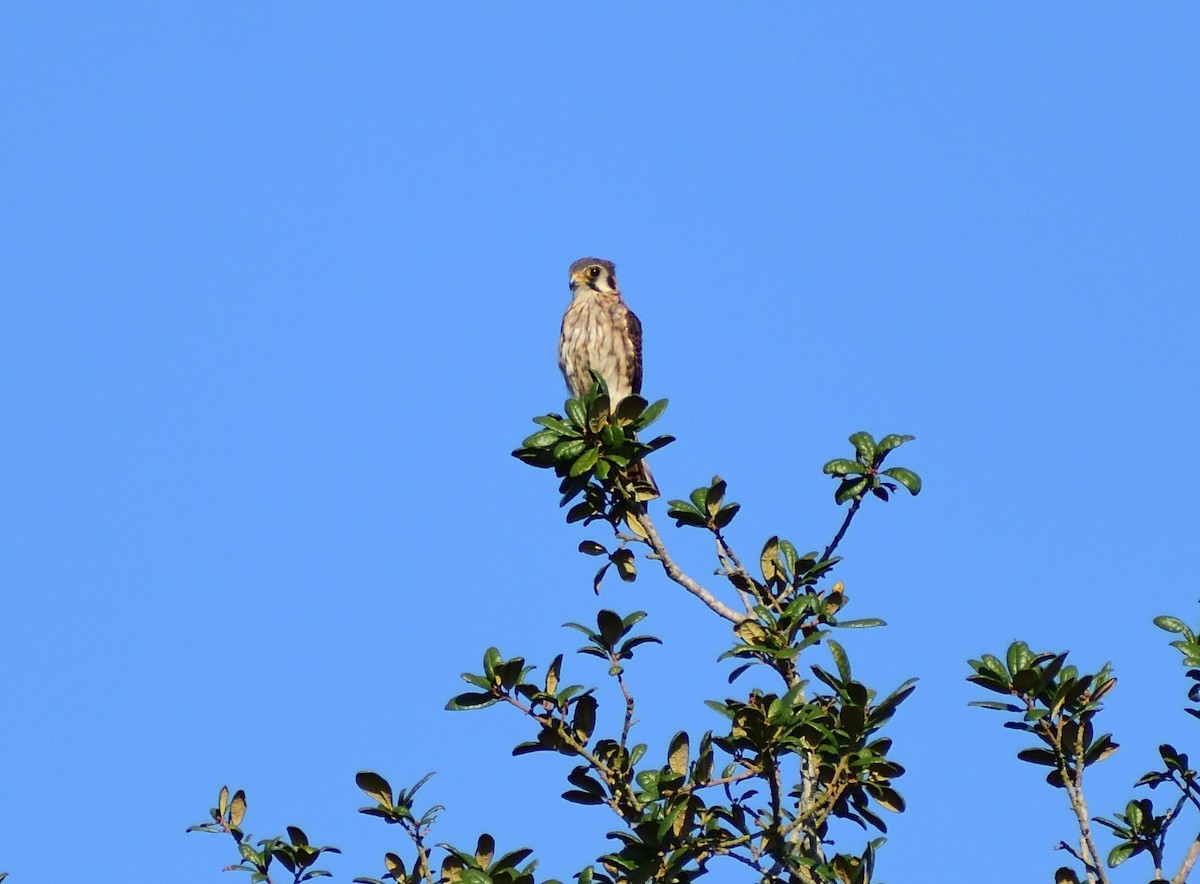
column 251, row 854
column 630, row 408
column 887, row 443
column 237, row 809
column 584, row 462
column 1171, row 757
column 584, row 722
column 864, row 444
column 610, row 625
column 715, row 495
column 659, row 442
column 599, row 578
column 592, row 548
column 1102, row 748
column 677, row 754
column 841, row 466
column 992, row 663
column 553, row 422
column 580, row 511
column 485, row 849
column 995, row 704
column 1122, row 852
column 725, row 514
column 470, row 700
column 603, row 468
column 598, row 413
column 907, row 478
column 576, row 412
column 1174, row 624
column 553, row 673
column 541, row 439
column 684, row 513
column 626, row 570
column 569, row 449
column 512, row 859
column 769, row 559
column 840, row 659
column 613, row 436
column 861, row 623
column 1038, row 756
column 889, row 799
column 1019, row 657
column 652, row 413
column 849, row 489
column 631, row 620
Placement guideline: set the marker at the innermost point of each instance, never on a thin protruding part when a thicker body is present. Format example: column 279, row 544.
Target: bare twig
column 1074, row 784
column 673, row 571
column 1063, row 845
column 617, row 784
column 837, row 538
column 723, row 781
column 732, row 565
column 628, row 704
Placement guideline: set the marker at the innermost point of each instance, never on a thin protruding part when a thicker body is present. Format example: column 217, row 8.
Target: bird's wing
column 633, row 328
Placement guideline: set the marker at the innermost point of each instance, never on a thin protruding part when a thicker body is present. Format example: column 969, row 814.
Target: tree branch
column 628, row 702
column 1074, row 784
column 727, row 557
column 675, row 573
column 837, row 538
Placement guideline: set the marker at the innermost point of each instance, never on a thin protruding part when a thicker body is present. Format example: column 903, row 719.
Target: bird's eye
column 593, row 272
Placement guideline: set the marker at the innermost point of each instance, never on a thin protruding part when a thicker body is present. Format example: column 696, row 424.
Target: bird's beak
column 576, row 279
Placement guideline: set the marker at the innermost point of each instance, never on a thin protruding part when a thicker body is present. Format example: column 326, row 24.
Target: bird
column 601, row 334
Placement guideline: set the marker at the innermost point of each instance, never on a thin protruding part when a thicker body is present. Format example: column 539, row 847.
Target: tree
column 1051, row 700
column 792, row 755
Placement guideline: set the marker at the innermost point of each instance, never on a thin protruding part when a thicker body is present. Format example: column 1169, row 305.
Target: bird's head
column 596, row 274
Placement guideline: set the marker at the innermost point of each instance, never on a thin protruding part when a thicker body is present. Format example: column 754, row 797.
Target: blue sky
column 283, row 288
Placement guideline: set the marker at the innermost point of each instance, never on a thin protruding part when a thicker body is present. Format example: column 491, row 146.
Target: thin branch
column 1063, row 845
column 729, row 560
column 673, row 571
column 628, row 702
column 690, row 788
column 619, row 787
column 837, row 538
column 729, row 553
column 423, row 869
column 1074, row 784
column 1192, row 798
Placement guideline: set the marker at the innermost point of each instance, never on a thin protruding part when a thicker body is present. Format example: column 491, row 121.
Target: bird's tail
column 644, row 486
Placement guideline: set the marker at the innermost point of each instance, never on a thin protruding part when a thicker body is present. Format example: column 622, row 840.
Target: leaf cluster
column 711, row 802
column 1055, row 703
column 295, row 853
column 592, row 446
column 1189, row 648
column 764, row 789
column 864, row 473
column 1058, row 705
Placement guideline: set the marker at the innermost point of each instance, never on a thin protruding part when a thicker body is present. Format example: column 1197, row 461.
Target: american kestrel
column 601, row 334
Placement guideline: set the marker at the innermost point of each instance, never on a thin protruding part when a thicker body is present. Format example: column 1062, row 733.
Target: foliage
column 294, row 854
column 787, row 757
column 1048, row 698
